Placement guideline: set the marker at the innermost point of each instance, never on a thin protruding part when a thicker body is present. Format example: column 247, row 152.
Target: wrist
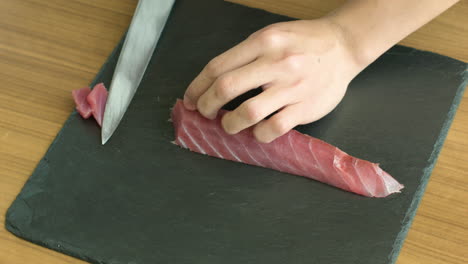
column 355, row 45
column 352, row 55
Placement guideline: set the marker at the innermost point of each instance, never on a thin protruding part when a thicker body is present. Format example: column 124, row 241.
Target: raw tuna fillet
column 91, row 102
column 293, row 153
column 82, row 105
column 97, row 100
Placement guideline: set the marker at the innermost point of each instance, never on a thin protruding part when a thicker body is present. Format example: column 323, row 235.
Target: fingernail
column 226, row 126
column 212, row 116
column 260, row 136
column 188, row 104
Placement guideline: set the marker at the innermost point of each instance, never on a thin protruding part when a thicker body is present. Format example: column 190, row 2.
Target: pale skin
column 304, row 67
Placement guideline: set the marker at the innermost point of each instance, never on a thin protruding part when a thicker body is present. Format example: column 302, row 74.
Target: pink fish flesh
column 97, row 100
column 293, row 153
column 82, row 106
column 91, row 102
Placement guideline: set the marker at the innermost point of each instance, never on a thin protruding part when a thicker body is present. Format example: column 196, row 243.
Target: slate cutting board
column 140, row 199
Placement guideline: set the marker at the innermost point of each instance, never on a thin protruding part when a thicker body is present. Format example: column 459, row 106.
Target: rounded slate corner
column 18, row 217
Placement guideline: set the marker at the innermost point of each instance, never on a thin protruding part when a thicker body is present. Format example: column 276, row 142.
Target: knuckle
column 213, row 67
column 293, row 63
column 271, row 38
column 224, row 87
column 252, row 112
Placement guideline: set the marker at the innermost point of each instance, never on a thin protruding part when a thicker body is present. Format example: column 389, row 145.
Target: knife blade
column 142, row 37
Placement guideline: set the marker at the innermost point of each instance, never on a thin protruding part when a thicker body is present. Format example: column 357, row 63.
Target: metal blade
column 142, row 37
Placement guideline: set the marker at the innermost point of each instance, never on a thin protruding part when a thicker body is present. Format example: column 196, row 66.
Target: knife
column 142, row 37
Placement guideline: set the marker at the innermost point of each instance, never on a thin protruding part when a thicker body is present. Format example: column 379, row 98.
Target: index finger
column 236, row 57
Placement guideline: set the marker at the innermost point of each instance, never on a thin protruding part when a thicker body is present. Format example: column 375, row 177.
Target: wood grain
column 48, row 48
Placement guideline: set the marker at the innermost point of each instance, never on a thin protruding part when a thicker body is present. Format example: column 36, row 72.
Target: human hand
column 303, row 67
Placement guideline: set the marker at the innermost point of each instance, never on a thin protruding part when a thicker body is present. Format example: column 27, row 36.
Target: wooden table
column 48, row 48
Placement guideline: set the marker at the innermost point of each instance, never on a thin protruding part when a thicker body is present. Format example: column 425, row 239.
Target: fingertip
column 211, row 116
column 226, row 125
column 264, row 140
column 203, row 109
column 261, row 135
column 271, row 129
column 206, row 115
column 189, row 104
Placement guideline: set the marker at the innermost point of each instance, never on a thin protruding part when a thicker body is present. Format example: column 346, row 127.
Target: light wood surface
column 48, row 48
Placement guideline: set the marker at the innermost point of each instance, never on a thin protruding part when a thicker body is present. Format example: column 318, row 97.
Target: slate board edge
column 410, row 214
column 11, row 227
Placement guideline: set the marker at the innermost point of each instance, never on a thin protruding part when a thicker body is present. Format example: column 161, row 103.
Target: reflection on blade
column 142, row 37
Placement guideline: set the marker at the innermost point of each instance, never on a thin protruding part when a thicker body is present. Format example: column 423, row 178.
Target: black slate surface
column 140, row 199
